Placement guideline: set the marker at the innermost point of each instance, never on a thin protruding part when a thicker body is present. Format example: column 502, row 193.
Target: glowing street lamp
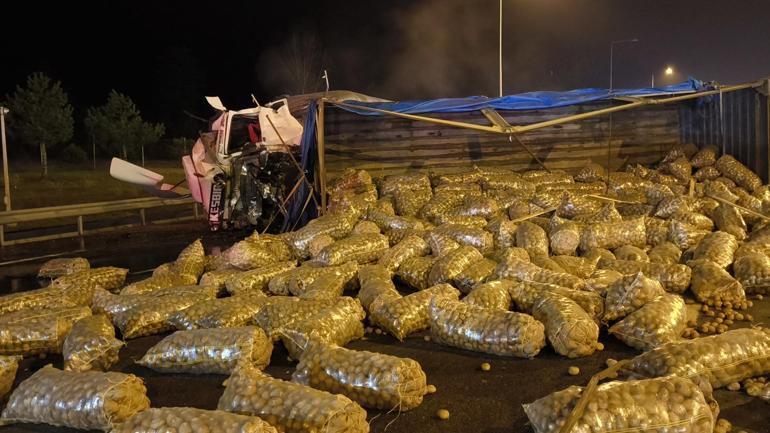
column 669, row 71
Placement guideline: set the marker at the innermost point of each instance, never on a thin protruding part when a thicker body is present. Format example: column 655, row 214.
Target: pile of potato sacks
column 489, row 260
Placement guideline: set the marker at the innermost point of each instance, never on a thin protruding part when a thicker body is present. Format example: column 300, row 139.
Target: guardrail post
column 142, row 217
column 195, row 211
column 81, row 232
column 2, row 235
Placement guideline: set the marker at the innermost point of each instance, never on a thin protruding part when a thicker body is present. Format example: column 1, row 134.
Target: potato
column 150, row 316
column 290, row 407
column 739, row 173
column 613, row 235
column 191, row 420
column 256, row 280
column 630, row 252
column 733, row 356
column 492, row 294
column 665, row 252
column 532, row 238
column 209, row 351
column 625, row 406
column 470, row 236
column 373, row 380
column 711, row 283
column 89, row 400
column 337, row 324
column 281, row 311
column 91, row 345
column 526, row 293
column 674, row 278
column 375, row 281
column 486, row 330
column 230, row 312
column 446, row 268
column 364, row 248
column 524, row 271
column 474, row 274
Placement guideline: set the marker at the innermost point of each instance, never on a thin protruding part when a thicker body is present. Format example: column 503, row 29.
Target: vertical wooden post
column 142, row 217
column 321, row 154
column 81, row 232
column 2, row 235
column 195, row 211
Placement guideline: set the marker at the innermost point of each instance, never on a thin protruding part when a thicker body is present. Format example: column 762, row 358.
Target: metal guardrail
column 78, row 211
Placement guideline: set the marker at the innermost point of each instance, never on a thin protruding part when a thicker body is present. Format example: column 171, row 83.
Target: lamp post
column 6, row 180
column 612, row 46
column 500, row 49
column 668, row 72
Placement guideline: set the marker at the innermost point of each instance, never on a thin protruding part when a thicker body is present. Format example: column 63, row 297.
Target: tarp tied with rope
column 522, row 101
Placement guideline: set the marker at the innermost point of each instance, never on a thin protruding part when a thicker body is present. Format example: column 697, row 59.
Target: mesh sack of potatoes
column 487, row 330
column 296, row 279
column 684, row 235
column 249, row 254
column 752, row 270
column 596, row 254
column 350, row 179
column 218, row 277
column 736, row 355
column 670, row 206
column 666, row 253
column 156, row 282
column 363, row 248
column 471, row 236
column 440, row 244
column 656, row 231
column 373, row 380
column 91, row 345
column 525, row 271
column 630, row 252
column 580, row 267
column 614, row 234
column 328, row 286
column 406, row 315
column 8, row 367
column 342, row 276
column 56, row 268
column 336, row 324
column 410, row 246
column 680, row 168
column 706, row 173
column 191, row 420
column 89, row 400
column 228, row 312
column 281, row 311
column 658, row 322
column 720, row 190
column 151, row 316
column 191, row 260
column 532, row 238
column 591, row 172
column 637, row 405
column 675, row 278
column 752, row 203
column 547, row 263
column 710, row 282
column 606, row 213
column 318, row 243
column 108, row 278
column 695, row 219
column 36, row 331
column 463, row 220
column 524, row 295
column 570, row 330
column 375, row 281
column 408, row 202
column 522, row 208
column 446, row 268
column 717, row 247
column 386, row 221
column 737, row 172
column 705, row 157
column 256, row 280
column 504, row 233
column 209, row 351
column 354, row 202
column 628, row 294
column 363, row 227
column 474, row 274
column 389, row 185
column 512, row 253
column 565, row 237
column 572, row 206
column 461, row 188
column 492, row 294
column 290, row 407
column 729, row 219
column 111, row 304
column 39, row 298
column 601, row 280
column 414, row 271
column 477, row 206
column 336, row 225
column 441, row 203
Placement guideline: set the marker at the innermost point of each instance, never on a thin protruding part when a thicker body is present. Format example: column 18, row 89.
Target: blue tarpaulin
column 301, row 207
column 522, row 101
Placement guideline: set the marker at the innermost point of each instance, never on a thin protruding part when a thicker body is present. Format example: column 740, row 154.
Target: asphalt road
column 478, row 401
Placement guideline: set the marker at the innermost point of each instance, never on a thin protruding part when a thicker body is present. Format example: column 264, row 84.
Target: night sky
column 168, row 54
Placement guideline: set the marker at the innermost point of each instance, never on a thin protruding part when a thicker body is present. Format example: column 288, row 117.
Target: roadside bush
column 73, row 154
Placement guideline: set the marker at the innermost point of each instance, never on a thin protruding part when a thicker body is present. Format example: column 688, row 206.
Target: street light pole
column 500, row 49
column 612, row 45
column 6, row 180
